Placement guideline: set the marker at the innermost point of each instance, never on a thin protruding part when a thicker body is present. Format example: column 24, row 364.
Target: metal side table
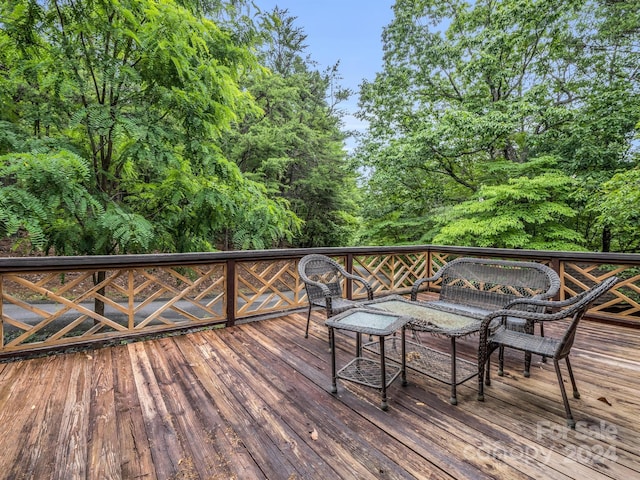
column 365, row 371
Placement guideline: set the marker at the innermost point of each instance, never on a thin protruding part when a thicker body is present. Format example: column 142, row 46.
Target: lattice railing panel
column 268, row 286
column 390, row 273
column 622, row 302
column 438, row 260
column 53, row 309
column 76, row 306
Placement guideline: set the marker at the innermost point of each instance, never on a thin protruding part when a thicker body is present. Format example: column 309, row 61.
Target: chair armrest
column 540, row 302
column 489, row 321
column 416, row 286
column 522, row 314
column 366, row 284
column 559, row 308
column 327, row 293
column 536, row 301
column 574, row 304
column 325, row 290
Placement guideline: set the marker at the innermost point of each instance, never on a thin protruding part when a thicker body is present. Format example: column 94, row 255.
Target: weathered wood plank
column 168, row 454
column 39, row 422
column 102, row 431
column 229, row 442
column 354, row 396
column 467, row 434
column 600, row 427
column 264, row 406
column 134, row 449
column 186, row 399
column 332, row 422
column 263, row 449
column 549, row 387
column 71, row 454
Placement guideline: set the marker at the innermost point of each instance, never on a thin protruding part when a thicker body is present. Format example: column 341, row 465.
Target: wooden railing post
column 349, row 268
column 231, row 294
column 555, row 266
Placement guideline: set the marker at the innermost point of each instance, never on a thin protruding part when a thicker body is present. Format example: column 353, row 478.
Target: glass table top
column 424, row 316
column 367, row 321
column 431, row 315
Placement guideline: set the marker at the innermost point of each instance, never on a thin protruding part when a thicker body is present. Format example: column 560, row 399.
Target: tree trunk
column 606, row 239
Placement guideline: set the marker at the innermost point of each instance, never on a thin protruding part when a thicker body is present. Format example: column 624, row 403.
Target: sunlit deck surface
column 254, row 401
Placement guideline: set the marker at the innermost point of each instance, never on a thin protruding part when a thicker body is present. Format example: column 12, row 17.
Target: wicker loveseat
column 476, row 287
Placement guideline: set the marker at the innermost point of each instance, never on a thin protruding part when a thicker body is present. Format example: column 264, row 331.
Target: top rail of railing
column 61, row 263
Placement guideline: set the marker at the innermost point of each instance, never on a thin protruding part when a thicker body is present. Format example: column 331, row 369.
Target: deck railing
column 53, row 302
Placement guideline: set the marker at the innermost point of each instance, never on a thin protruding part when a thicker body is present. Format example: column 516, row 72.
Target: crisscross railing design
column 72, row 307
column 622, row 303
column 61, row 301
column 268, row 286
column 391, row 272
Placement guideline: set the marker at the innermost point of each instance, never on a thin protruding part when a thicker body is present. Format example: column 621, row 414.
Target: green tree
column 526, row 212
column 617, row 210
column 143, row 91
column 397, row 202
column 466, row 87
column 295, row 145
column 45, row 196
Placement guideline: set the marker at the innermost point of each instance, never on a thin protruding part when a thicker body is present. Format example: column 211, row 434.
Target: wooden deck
column 253, row 401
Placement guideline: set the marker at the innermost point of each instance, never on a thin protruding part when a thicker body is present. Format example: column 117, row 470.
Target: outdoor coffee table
column 365, row 371
column 428, row 361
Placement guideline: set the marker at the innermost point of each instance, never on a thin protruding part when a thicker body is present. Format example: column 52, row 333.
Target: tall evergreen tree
column 295, row 145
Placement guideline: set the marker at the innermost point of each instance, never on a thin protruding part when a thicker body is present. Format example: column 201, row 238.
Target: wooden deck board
column 133, row 446
column 38, row 423
column 335, row 421
column 253, row 401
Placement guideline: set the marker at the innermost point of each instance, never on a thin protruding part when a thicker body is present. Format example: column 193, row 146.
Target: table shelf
column 367, row 372
column 425, row 360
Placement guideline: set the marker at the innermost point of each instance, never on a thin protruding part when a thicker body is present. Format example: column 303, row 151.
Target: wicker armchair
column 324, row 283
column 494, row 334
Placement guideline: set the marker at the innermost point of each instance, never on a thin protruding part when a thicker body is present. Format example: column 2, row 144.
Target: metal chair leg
column 306, row 332
column 570, row 421
column 576, row 394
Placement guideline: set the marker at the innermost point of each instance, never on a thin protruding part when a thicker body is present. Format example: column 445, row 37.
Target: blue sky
column 345, row 30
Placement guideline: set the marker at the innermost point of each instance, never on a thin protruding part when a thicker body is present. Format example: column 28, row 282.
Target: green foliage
column 471, row 91
column 144, row 91
column 130, row 231
column 617, row 207
column 523, row 213
column 43, row 195
column 137, row 125
column 295, row 146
